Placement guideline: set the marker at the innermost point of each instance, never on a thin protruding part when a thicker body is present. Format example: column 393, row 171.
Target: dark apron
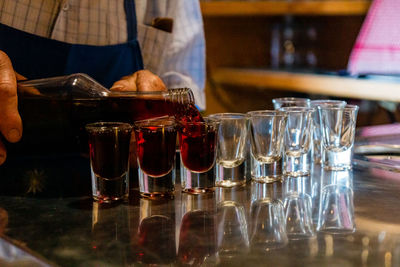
column 50, row 143
column 37, row 57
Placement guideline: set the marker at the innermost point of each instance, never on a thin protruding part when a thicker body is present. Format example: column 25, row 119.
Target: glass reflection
column 336, row 211
column 109, row 244
column 315, row 184
column 267, row 217
column 155, row 242
column 232, row 233
column 298, row 208
column 197, row 235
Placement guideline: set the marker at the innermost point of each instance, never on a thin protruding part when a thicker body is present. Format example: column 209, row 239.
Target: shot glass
column 155, row 149
column 109, row 160
column 338, row 126
column 231, row 153
column 297, row 144
column 198, row 146
column 267, row 128
column 317, row 135
column 290, row 102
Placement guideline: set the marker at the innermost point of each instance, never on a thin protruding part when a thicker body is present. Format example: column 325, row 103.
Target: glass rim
column 228, row 115
column 163, row 121
column 347, row 107
column 266, row 113
column 207, row 121
column 107, row 126
column 291, row 99
column 317, row 102
column 295, row 109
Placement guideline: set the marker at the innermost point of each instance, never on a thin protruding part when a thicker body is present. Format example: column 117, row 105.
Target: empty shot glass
column 338, row 126
column 317, row 134
column 198, row 147
column 267, row 128
column 109, row 160
column 155, row 149
column 297, row 144
column 231, row 153
column 290, row 102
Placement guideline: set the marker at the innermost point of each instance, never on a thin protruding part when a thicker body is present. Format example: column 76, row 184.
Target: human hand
column 142, row 80
column 10, row 120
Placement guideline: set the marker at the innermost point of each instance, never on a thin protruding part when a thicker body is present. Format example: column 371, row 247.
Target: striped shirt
column 177, row 57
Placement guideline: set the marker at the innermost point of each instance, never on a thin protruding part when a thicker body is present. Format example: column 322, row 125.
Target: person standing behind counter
column 108, row 40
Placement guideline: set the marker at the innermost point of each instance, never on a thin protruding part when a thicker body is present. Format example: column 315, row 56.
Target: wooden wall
column 245, row 42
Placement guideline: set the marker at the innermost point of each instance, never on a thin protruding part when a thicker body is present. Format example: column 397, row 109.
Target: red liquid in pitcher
column 131, row 109
column 156, row 149
column 60, row 122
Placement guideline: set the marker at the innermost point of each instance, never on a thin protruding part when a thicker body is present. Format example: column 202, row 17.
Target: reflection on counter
column 232, row 228
column 299, row 221
column 336, row 209
column 298, row 208
column 109, row 243
column 197, row 232
column 156, row 233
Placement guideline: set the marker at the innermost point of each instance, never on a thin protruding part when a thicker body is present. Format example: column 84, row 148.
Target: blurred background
column 259, row 50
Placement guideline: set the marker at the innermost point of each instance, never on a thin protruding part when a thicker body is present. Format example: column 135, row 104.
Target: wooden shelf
column 329, row 85
column 271, row 8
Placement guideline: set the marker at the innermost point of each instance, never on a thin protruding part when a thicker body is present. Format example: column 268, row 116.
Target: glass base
column 297, row 165
column 153, row 187
column 198, row 190
column 337, row 160
column 110, row 190
column 197, row 182
column 230, row 177
column 266, row 172
column 156, row 195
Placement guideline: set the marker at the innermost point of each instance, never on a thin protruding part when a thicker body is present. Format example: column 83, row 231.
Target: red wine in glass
column 198, row 145
column 156, row 145
column 109, row 156
column 109, row 151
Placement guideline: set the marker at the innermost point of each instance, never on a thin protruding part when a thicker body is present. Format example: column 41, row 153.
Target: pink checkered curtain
column 377, row 48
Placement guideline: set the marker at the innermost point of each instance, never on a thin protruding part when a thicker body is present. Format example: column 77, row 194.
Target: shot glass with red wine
column 155, row 147
column 198, row 146
column 109, row 160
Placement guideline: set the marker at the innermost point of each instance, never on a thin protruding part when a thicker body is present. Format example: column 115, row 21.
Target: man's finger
column 3, row 153
column 142, row 80
column 10, row 120
column 126, row 83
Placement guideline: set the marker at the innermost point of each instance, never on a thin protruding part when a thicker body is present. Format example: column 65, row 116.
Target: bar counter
column 47, row 218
